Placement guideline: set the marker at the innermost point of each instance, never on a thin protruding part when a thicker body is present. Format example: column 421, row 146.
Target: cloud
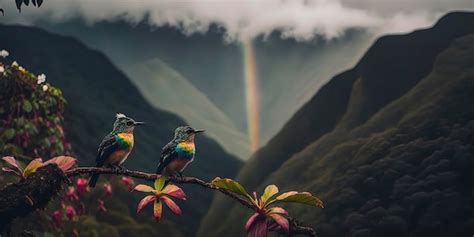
column 300, row 19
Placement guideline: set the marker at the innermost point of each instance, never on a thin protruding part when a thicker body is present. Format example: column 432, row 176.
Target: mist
column 299, row 19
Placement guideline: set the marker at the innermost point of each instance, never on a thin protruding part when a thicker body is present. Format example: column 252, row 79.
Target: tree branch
column 295, row 227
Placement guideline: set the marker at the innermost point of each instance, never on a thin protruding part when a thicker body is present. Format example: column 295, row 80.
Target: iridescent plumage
column 116, row 146
column 179, row 152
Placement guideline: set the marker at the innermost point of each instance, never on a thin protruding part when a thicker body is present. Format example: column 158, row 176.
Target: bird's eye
column 129, row 123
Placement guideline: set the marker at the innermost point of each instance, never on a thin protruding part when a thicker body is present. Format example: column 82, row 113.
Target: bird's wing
column 107, row 146
column 168, row 153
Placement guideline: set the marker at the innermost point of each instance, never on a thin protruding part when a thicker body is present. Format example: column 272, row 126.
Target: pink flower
column 71, row 193
column 81, row 185
column 70, row 212
column 75, row 233
column 107, row 188
column 56, row 217
column 101, row 206
column 128, row 181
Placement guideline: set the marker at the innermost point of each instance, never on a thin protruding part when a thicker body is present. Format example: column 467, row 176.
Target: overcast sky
column 243, row 19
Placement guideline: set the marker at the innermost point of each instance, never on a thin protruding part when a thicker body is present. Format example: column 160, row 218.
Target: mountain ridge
column 322, row 161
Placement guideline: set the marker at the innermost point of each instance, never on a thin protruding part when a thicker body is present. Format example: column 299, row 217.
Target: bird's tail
column 93, row 180
column 160, row 168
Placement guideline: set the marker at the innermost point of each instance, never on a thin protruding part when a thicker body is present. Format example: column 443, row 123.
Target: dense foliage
column 31, row 111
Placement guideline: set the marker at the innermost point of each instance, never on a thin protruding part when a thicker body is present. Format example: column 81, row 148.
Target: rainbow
column 251, row 95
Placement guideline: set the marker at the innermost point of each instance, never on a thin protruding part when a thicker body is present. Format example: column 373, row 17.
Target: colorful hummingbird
column 116, row 146
column 179, row 152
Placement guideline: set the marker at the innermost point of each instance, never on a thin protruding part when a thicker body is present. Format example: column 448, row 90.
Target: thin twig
column 295, row 227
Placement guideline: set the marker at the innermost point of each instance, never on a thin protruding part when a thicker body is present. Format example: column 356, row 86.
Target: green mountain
column 289, row 72
column 95, row 90
column 167, row 89
column 387, row 145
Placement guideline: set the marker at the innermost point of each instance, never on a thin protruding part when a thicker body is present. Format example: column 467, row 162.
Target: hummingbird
column 116, row 146
column 179, row 152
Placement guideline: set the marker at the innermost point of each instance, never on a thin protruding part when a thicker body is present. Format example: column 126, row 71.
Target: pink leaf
column 11, row 160
column 277, row 210
column 250, row 221
column 282, row 221
column 258, row 229
column 9, row 170
column 172, row 205
column 63, row 162
column 174, row 191
column 145, row 201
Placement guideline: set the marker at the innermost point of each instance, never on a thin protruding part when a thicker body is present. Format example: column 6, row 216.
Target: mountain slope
column 289, row 72
column 167, row 89
column 95, row 90
column 335, row 153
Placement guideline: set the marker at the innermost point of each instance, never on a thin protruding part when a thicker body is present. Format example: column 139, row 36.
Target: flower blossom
column 41, row 79
column 4, row 53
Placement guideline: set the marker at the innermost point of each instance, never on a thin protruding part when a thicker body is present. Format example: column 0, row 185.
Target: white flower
column 4, row 53
column 21, row 68
column 15, row 64
column 41, row 79
column 2, row 69
column 45, row 87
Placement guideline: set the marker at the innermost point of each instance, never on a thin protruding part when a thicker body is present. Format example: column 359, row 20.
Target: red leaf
column 250, row 221
column 145, row 201
column 258, row 229
column 11, row 160
column 172, row 205
column 63, row 162
column 174, row 191
column 282, row 221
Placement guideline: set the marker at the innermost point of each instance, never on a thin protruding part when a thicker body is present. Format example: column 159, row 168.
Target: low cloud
column 299, row 19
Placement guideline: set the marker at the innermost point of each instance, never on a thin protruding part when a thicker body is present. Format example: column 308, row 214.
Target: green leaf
column 9, row 133
column 159, row 183
column 231, row 185
column 298, row 197
column 143, row 188
column 270, row 190
column 27, row 107
column 32, row 167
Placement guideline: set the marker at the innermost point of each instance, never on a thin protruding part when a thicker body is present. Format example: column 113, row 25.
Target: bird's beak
column 198, row 131
column 138, row 123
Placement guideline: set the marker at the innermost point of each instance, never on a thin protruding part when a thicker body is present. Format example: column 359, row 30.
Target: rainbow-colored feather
column 124, row 140
column 185, row 150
